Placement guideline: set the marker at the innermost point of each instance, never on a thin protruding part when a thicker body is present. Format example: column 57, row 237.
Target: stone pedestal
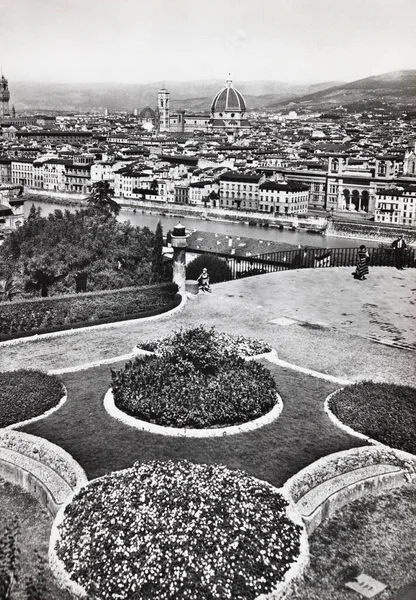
column 192, row 286
column 179, row 244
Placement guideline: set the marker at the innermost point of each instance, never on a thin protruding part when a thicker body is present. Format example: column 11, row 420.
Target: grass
column 25, row 394
column 302, row 434
column 35, row 525
column 382, row 411
column 374, row 535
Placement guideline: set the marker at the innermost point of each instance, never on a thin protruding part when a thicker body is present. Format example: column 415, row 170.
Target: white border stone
column 279, row 592
column 43, row 415
column 49, row 447
column 66, row 332
column 116, row 413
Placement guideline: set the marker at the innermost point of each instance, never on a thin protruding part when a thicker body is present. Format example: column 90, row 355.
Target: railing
column 245, row 266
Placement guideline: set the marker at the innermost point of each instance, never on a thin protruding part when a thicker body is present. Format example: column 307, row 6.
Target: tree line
column 47, row 255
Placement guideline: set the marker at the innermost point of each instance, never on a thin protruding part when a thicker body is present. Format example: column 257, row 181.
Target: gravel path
column 349, row 329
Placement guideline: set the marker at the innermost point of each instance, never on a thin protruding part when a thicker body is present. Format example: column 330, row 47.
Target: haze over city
column 132, row 41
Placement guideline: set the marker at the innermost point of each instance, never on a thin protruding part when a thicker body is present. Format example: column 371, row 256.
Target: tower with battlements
column 4, row 98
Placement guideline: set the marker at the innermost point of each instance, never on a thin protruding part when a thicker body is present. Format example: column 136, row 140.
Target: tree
column 157, row 256
column 8, row 288
column 101, row 199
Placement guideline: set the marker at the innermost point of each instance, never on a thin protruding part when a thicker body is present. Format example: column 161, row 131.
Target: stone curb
column 42, row 480
column 294, row 573
column 66, row 332
column 282, row 363
column 116, row 413
column 335, row 500
column 43, row 415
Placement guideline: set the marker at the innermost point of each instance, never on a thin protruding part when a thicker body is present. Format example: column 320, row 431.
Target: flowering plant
column 171, row 530
column 222, row 343
column 196, row 379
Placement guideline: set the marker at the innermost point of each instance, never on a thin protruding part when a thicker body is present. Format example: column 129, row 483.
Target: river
column 286, row 236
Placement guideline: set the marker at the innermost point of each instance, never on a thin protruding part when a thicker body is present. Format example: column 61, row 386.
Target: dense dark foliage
column 25, row 394
column 45, row 255
column 194, row 383
column 218, row 269
column 382, row 411
column 64, row 311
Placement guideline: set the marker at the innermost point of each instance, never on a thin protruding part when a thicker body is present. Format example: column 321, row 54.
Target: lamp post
column 179, row 244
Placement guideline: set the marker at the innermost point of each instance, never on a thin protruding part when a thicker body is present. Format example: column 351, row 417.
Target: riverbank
column 319, row 227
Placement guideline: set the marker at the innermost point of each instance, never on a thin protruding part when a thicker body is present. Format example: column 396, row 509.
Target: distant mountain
column 395, row 91
column 190, row 96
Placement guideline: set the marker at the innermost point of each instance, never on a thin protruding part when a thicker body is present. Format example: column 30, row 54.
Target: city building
column 396, row 205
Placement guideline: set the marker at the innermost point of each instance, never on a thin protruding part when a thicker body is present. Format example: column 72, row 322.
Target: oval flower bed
column 381, row 411
column 171, row 530
column 26, row 394
column 196, row 379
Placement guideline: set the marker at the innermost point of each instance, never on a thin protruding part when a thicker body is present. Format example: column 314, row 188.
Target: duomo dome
column 228, row 109
column 228, row 100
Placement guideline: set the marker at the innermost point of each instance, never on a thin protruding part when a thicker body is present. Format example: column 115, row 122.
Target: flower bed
column 381, row 411
column 196, row 379
column 200, row 340
column 25, row 394
column 178, row 530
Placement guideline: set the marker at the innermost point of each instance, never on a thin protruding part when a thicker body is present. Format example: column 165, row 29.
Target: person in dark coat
column 399, row 246
column 362, row 263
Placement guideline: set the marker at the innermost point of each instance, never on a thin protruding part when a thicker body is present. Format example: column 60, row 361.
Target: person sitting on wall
column 203, row 281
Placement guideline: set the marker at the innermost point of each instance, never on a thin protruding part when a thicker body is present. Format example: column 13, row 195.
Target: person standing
column 399, row 246
column 362, row 263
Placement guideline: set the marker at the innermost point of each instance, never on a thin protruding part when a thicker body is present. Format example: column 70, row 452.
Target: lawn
column 373, row 535
column 302, row 434
column 35, row 526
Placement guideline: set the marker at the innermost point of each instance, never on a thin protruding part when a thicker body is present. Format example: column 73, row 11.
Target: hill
column 394, row 91
column 191, row 95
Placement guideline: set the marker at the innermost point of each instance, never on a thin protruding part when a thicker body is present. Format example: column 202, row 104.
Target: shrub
column 382, row 411
column 25, row 394
column 218, row 269
column 195, row 380
column 171, row 530
column 60, row 312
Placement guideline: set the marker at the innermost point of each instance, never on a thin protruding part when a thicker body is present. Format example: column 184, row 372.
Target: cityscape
column 256, row 442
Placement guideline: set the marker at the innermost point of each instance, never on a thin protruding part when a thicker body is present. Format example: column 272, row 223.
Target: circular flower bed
column 26, row 394
column 196, row 379
column 171, row 530
column 384, row 412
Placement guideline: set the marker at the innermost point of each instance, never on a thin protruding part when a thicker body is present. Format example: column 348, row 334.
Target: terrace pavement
column 321, row 319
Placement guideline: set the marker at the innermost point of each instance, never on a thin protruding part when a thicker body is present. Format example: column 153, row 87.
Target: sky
column 142, row 41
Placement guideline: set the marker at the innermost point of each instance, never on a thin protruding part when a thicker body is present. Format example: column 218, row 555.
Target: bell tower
column 163, row 109
column 4, row 98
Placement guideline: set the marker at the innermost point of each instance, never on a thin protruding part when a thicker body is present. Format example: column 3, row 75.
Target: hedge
column 218, row 270
column 42, row 315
